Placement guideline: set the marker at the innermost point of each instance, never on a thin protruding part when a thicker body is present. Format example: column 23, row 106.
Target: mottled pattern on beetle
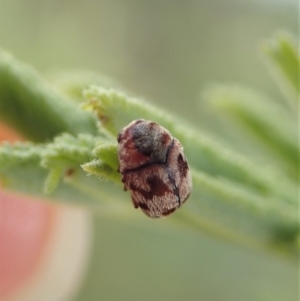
column 179, row 166
column 153, row 168
column 154, row 194
column 142, row 142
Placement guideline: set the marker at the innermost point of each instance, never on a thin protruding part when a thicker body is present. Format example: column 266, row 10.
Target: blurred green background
column 166, row 51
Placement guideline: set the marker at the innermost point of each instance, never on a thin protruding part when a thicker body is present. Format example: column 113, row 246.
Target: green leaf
column 232, row 198
column 107, row 152
column 33, row 107
column 284, row 58
column 36, row 169
column 68, row 150
column 260, row 116
column 101, row 170
column 72, row 83
column 52, row 180
column 115, row 110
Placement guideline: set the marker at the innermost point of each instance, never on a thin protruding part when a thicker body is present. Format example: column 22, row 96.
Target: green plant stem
column 283, row 55
column 116, row 110
column 34, row 108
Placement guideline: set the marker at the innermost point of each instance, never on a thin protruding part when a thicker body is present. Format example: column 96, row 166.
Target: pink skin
column 25, row 230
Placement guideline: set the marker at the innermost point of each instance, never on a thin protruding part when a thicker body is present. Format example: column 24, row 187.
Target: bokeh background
column 168, row 52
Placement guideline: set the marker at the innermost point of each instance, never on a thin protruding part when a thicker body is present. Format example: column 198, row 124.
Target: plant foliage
column 233, row 198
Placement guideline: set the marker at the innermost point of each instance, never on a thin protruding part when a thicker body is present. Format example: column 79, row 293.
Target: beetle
column 153, row 168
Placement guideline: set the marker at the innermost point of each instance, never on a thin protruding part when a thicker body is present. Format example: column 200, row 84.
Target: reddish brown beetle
column 153, row 168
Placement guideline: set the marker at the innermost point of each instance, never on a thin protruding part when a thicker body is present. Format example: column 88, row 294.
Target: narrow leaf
column 115, row 110
column 107, row 152
column 102, row 170
column 33, row 107
column 283, row 55
column 52, row 180
column 274, row 127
